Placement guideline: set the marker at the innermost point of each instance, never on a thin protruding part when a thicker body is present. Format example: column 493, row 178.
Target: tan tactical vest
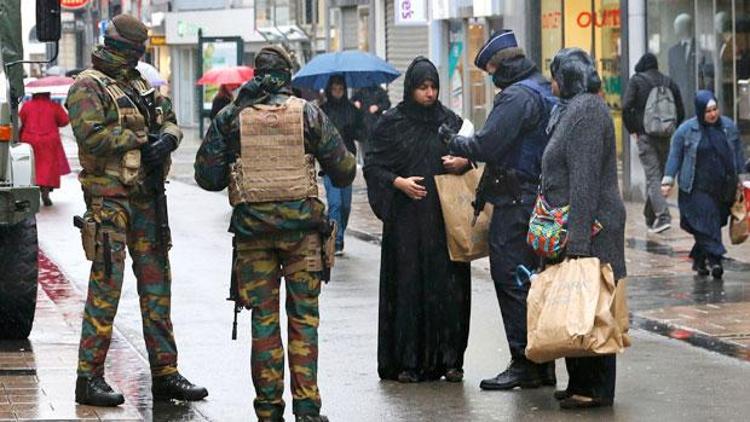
column 272, row 165
column 127, row 168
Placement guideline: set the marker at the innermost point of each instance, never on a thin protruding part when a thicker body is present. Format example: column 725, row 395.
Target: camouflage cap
column 273, row 57
column 128, row 28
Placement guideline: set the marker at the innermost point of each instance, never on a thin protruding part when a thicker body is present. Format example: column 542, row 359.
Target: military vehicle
column 19, row 197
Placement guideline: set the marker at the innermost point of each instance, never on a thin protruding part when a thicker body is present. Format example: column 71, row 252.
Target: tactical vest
column 127, row 168
column 272, row 165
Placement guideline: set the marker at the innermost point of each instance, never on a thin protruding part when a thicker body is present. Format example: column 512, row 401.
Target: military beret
column 128, row 28
column 500, row 40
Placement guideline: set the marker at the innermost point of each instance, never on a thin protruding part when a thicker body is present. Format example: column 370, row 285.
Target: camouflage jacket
column 100, row 134
column 321, row 139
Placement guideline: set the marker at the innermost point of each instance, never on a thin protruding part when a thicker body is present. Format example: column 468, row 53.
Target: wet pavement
column 658, row 377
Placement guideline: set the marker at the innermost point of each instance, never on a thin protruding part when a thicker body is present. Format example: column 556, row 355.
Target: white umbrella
column 151, row 74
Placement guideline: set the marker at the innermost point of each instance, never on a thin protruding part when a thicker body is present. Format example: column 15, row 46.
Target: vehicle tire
column 19, row 253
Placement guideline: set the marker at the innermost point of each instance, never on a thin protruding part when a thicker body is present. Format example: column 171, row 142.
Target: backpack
column 660, row 114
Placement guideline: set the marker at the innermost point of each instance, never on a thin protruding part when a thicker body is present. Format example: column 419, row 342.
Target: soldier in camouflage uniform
column 125, row 133
column 262, row 147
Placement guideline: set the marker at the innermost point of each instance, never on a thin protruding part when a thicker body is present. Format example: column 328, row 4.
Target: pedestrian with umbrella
column 358, row 69
column 228, row 79
column 348, row 120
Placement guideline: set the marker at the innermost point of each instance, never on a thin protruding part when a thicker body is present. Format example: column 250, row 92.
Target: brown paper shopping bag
column 574, row 310
column 739, row 226
column 456, row 192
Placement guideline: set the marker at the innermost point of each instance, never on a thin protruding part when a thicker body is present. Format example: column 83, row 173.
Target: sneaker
column 717, row 271
column 659, row 227
column 339, row 252
column 699, row 266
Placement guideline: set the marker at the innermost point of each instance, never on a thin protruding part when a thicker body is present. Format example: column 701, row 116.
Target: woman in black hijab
column 579, row 169
column 424, row 296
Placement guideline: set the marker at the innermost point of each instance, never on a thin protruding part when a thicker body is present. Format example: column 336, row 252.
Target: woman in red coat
column 41, row 119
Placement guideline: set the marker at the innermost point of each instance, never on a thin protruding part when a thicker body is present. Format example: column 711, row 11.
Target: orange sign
column 73, row 4
column 608, row 18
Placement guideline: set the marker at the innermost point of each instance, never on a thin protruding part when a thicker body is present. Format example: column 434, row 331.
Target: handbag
column 548, row 233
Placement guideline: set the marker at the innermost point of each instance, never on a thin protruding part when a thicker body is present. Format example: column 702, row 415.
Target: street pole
column 326, row 23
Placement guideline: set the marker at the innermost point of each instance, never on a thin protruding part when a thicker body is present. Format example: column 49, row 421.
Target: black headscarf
column 419, row 71
column 647, row 62
column 575, row 73
column 404, row 135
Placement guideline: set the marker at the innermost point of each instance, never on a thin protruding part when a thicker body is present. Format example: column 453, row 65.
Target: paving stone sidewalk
column 665, row 295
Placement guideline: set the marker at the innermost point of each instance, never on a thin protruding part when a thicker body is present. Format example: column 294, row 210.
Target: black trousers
column 592, row 377
column 508, row 249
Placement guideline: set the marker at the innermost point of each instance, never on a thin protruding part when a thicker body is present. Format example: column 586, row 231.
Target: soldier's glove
column 446, row 134
column 156, row 152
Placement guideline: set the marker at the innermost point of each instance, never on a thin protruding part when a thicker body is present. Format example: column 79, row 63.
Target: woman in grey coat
column 579, row 167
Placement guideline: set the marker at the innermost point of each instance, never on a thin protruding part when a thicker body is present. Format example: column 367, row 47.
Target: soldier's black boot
column 175, row 386
column 548, row 373
column 520, row 373
column 95, row 391
column 310, row 418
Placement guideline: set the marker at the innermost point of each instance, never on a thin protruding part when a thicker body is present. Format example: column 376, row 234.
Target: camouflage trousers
column 260, row 263
column 131, row 222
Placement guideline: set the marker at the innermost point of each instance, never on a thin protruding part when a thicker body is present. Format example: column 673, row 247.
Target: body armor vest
column 127, row 168
column 272, row 165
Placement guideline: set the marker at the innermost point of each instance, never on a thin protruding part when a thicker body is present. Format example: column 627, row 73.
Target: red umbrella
column 52, row 84
column 234, row 75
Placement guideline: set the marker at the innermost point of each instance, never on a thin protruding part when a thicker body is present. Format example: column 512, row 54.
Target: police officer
column 262, row 147
column 511, row 143
column 125, row 133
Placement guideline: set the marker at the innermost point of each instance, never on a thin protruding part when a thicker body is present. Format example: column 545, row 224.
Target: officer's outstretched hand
column 156, row 152
column 446, row 133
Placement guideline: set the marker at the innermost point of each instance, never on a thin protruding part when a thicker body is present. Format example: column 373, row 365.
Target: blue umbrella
column 359, row 69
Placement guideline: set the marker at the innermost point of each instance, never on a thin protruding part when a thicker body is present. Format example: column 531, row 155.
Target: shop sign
column 73, row 4
column 607, row 18
column 410, row 12
column 552, row 20
column 158, row 40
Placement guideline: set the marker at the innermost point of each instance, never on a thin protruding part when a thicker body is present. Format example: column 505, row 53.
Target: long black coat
column 424, row 296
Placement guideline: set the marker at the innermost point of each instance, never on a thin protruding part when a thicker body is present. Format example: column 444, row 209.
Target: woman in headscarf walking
column 579, row 168
column 705, row 156
column 41, row 120
column 424, row 296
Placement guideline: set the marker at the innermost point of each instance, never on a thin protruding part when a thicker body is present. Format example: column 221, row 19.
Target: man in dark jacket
column 511, row 143
column 652, row 150
column 348, row 121
column 373, row 101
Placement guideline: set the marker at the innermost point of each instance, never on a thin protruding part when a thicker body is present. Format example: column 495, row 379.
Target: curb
column 692, row 336
column 365, row 236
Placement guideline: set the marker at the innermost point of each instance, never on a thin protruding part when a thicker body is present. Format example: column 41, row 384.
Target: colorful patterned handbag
column 548, row 233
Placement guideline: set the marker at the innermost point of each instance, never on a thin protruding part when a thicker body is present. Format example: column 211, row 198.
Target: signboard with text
column 410, row 12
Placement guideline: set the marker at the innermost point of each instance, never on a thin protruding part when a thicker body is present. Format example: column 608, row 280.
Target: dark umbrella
column 359, row 69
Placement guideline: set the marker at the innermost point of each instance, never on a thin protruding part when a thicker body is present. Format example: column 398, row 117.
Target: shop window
column 593, row 26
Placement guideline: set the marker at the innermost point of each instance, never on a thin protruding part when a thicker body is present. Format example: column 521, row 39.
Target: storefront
column 464, row 26
column 705, row 44
column 181, row 36
column 594, row 26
